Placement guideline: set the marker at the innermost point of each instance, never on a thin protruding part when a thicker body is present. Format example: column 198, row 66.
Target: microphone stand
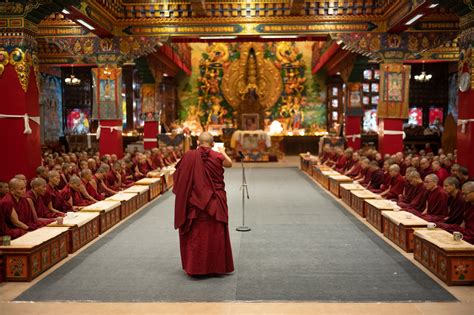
column 245, row 192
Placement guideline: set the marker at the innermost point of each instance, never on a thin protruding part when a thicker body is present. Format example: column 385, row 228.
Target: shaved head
column 206, row 138
column 36, row 182
column 75, row 180
column 431, row 178
column 468, row 187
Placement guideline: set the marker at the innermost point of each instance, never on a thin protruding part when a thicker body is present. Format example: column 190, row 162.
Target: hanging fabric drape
column 26, row 121
column 111, row 128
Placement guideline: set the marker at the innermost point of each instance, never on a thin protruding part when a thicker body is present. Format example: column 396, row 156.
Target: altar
column 254, row 144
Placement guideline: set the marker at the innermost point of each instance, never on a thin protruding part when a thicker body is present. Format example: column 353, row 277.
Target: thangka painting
column 50, row 101
column 107, row 93
column 394, row 88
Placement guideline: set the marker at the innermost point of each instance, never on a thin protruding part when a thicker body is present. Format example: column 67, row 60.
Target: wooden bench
column 373, row 211
column 399, row 229
column 345, row 192
column 143, row 194
column 451, row 261
column 358, row 198
column 109, row 211
column 83, row 228
column 335, row 181
column 153, row 183
column 35, row 252
column 129, row 203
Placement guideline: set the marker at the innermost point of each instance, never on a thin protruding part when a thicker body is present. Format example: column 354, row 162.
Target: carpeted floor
column 303, row 247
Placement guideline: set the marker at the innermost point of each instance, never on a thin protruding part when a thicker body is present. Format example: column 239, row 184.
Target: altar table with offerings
column 254, row 144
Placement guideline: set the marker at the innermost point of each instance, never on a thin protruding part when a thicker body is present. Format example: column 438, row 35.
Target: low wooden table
column 399, row 229
column 335, row 181
column 109, row 211
column 143, row 194
column 168, row 175
column 345, row 191
column 83, row 228
column 374, row 208
column 35, row 252
column 129, row 203
column 323, row 177
column 358, row 198
column 153, row 183
column 306, row 163
column 451, row 261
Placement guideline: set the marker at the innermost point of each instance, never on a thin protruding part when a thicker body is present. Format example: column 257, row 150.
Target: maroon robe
column 326, row 156
column 201, row 213
column 367, row 173
column 468, row 229
column 437, row 203
column 64, row 180
column 6, row 226
column 78, row 199
column 24, row 211
column 92, row 191
column 442, row 175
column 42, row 210
column 417, row 202
column 356, row 169
column 403, row 168
column 407, row 195
column 341, row 163
column 425, row 172
column 397, row 183
column 376, row 180
column 456, row 205
column 55, row 196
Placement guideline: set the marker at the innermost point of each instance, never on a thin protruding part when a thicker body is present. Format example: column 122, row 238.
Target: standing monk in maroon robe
column 415, row 200
column 456, row 202
column 436, row 202
column 467, row 226
column 201, row 212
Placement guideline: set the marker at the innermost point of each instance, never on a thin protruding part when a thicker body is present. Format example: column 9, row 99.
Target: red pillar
column 465, row 141
column 110, row 141
column 390, row 135
column 21, row 153
column 149, row 135
column 352, row 126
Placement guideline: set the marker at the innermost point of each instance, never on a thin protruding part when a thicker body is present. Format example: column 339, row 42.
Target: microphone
column 241, row 155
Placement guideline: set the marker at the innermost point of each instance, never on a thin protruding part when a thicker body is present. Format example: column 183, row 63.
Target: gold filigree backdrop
column 252, row 72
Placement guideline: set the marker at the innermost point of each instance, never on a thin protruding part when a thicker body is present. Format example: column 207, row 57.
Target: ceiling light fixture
column 434, row 5
column 423, row 76
column 64, row 11
column 72, row 80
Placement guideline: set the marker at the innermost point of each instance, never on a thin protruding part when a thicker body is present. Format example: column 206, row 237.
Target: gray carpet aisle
column 303, row 247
